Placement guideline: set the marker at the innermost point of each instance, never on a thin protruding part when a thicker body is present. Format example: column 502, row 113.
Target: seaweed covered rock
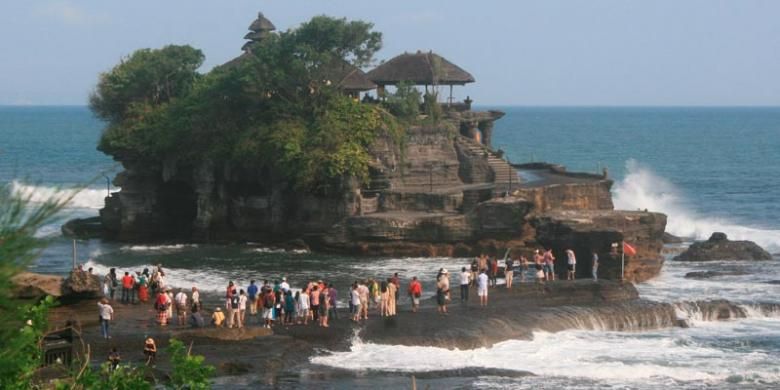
column 719, row 247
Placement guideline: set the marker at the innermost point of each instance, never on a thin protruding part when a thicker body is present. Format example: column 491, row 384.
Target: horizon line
column 501, row 105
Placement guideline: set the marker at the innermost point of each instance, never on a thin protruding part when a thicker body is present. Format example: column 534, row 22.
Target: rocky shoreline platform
column 284, row 351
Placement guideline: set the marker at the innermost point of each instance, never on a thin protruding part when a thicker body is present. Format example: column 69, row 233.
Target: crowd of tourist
column 316, row 302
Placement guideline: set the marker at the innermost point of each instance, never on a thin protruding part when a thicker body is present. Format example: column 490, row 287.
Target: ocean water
column 708, row 169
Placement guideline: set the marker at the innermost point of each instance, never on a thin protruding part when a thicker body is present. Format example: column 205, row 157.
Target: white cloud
column 68, row 13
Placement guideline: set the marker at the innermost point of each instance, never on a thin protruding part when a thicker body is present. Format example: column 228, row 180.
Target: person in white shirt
column 181, row 307
column 465, row 280
column 284, row 286
column 482, row 287
column 106, row 313
column 242, row 299
column 572, row 263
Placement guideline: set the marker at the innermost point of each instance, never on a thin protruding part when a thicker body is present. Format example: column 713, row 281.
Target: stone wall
column 594, row 195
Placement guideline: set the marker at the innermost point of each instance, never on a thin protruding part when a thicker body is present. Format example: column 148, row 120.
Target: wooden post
column 74, row 254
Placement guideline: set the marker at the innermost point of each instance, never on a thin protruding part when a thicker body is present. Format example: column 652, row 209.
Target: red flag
column 628, row 249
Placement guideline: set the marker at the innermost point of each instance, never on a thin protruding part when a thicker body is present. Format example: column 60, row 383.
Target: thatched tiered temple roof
column 421, row 69
column 258, row 30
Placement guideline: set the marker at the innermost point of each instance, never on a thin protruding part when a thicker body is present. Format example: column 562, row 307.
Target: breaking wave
column 644, row 189
column 87, row 198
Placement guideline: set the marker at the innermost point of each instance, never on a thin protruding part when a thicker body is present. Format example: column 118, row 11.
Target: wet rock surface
column 719, row 247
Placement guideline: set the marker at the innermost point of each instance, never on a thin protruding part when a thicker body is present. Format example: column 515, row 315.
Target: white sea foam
column 611, row 357
column 644, row 189
column 157, row 248
column 87, row 198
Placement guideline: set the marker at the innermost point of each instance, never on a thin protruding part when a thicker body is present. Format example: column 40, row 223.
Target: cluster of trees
column 272, row 107
column 24, row 323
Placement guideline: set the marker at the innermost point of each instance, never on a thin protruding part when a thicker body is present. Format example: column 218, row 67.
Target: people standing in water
column 324, row 305
column 442, row 291
column 161, row 305
column 143, row 286
column 181, row 307
column 494, row 271
column 571, row 262
column 332, row 301
column 269, row 301
column 465, row 280
column 363, row 291
column 482, row 288
column 289, row 308
column 127, row 287
column 150, row 351
column 595, row 265
column 106, row 314
column 384, row 299
column 509, row 268
column 415, row 292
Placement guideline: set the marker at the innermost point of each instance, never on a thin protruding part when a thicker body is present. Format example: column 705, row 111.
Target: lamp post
column 108, row 185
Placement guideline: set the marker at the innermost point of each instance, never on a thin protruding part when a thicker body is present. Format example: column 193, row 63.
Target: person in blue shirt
column 252, row 294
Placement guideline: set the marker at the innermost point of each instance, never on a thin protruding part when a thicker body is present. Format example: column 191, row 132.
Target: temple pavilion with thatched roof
column 258, row 30
column 421, row 68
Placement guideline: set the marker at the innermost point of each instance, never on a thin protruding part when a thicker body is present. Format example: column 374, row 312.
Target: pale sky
column 546, row 52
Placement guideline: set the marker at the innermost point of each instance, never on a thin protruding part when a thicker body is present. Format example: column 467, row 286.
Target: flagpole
column 622, row 260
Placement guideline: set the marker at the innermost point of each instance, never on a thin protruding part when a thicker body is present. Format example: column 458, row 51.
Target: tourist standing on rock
column 289, row 308
column 374, row 294
column 482, row 287
column 465, row 280
column 523, row 267
column 127, row 287
column 332, row 300
column 494, row 271
column 384, row 299
column 302, row 298
column 354, row 296
column 415, row 292
column 540, row 275
column 251, row 292
column 161, row 305
column 442, row 291
column 150, row 351
column 396, row 280
column 315, row 302
column 111, row 282
column 509, row 271
column 324, row 306
column 106, row 314
column 595, row 265
column 363, row 291
column 181, row 307
column 169, row 293
column 549, row 262
column 571, row 261
column 242, row 300
column 269, row 301
column 284, row 286
column 392, row 293
column 474, row 271
column 234, row 315
column 196, row 318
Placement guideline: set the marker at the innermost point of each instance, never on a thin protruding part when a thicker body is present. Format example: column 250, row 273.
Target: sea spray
column 641, row 188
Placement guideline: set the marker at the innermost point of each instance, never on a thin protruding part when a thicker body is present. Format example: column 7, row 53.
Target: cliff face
column 443, row 194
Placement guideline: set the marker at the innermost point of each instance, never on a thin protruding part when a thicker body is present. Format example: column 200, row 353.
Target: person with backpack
column 509, row 268
column 269, row 301
column 234, row 314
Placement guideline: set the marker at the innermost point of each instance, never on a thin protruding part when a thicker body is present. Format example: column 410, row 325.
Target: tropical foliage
column 275, row 106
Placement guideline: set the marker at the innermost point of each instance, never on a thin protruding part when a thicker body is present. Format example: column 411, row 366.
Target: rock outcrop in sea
column 719, row 247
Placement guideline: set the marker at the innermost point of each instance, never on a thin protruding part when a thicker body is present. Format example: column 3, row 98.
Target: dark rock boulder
column 82, row 285
column 719, row 247
column 712, row 274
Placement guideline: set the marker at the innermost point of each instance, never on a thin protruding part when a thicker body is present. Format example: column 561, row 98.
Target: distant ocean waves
column 641, row 188
column 86, row 198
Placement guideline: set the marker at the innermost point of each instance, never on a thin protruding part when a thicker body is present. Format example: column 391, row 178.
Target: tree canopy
column 273, row 107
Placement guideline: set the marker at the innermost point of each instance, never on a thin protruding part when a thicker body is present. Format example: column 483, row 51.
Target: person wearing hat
column 218, row 317
column 443, row 291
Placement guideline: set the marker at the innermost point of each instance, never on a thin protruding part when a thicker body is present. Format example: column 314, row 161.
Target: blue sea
column 708, row 169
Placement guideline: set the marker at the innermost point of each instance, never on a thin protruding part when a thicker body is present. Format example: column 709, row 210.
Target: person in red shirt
column 415, row 291
column 127, row 287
